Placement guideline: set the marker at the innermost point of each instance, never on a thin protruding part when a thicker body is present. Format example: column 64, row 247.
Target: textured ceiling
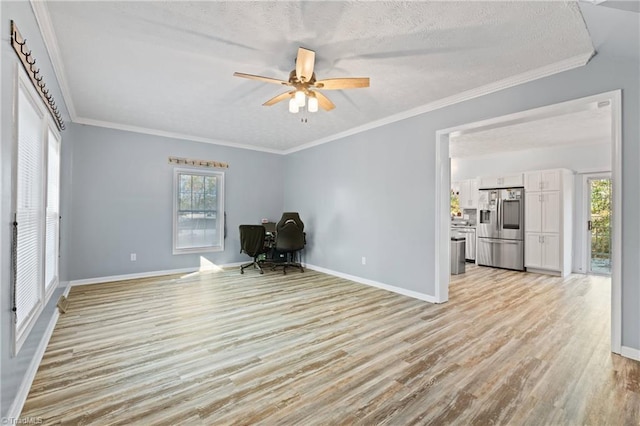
column 166, row 67
column 585, row 128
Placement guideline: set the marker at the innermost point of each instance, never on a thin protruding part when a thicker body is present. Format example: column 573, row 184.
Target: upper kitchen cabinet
column 548, row 221
column 505, row 181
column 468, row 194
column 545, row 180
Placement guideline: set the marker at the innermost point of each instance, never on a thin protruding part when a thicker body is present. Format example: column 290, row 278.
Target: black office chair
column 289, row 241
column 290, row 216
column 252, row 243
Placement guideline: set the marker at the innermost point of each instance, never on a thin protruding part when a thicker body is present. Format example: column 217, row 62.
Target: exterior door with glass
column 599, row 225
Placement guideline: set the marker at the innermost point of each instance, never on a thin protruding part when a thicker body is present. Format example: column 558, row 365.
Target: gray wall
column 372, row 194
column 121, row 194
column 13, row 369
column 367, row 196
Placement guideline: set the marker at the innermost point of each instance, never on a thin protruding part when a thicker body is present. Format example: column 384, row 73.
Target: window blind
column 29, row 213
column 36, row 236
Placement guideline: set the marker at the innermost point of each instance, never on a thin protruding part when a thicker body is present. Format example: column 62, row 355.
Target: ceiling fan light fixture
column 293, row 106
column 313, row 104
column 303, row 81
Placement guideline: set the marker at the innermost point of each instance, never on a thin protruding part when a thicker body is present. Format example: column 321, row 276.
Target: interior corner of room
column 450, row 174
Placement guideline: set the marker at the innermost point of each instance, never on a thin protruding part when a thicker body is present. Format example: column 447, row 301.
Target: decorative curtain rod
column 19, row 44
column 198, row 163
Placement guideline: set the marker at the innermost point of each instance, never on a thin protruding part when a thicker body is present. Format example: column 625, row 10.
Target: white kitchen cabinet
column 551, row 211
column 504, row 181
column 533, row 250
column 468, row 194
column 542, row 251
column 551, row 251
column 532, row 212
column 542, row 211
column 548, row 221
column 545, row 180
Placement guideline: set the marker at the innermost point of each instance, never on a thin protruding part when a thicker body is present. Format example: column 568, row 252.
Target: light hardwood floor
column 308, row 348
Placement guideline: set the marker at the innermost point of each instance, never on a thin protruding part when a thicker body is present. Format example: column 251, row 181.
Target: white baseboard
column 366, row 281
column 628, row 352
column 23, row 391
column 150, row 274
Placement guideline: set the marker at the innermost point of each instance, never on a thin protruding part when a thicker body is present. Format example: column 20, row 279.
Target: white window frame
column 216, row 246
column 24, row 86
column 50, row 287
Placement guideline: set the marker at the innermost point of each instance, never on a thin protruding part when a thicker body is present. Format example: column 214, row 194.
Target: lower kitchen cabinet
column 542, row 251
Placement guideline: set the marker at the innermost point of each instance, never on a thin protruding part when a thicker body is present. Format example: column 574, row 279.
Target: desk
column 270, row 227
column 270, row 244
column 272, row 255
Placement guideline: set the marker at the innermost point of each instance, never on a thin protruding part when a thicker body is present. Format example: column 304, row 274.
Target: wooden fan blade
column 342, row 83
column 281, row 97
column 260, row 78
column 324, row 102
column 305, row 63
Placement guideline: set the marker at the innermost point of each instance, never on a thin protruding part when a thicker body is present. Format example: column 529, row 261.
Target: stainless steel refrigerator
column 500, row 228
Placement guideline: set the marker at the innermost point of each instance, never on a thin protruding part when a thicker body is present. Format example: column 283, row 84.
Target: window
column 36, row 236
column 198, row 212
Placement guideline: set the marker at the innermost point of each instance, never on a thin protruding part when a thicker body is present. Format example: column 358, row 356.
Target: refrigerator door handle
column 498, row 219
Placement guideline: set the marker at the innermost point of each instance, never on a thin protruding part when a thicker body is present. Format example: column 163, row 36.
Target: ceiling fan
column 305, row 86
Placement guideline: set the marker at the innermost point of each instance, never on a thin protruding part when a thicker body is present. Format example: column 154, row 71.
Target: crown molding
column 535, row 74
column 43, row 18
column 172, row 135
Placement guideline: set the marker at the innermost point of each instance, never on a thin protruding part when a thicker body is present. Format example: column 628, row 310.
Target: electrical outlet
column 364, row 260
column 133, row 257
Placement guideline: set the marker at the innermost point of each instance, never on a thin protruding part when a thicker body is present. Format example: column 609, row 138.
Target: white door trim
column 442, row 171
column 616, row 225
column 442, row 261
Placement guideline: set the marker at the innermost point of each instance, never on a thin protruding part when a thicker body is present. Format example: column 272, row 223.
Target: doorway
column 598, row 213
column 443, row 182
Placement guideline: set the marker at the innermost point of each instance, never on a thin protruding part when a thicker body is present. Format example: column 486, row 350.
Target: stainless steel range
column 501, row 228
